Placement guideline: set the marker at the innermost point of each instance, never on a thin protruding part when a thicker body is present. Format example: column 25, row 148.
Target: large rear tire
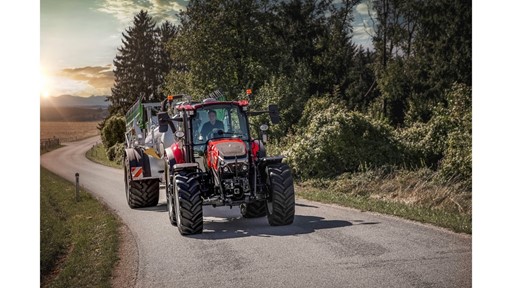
column 142, row 193
column 188, row 204
column 280, row 203
column 253, row 210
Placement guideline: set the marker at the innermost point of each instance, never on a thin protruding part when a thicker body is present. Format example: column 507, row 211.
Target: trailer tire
column 139, row 194
column 280, row 203
column 253, row 210
column 188, row 204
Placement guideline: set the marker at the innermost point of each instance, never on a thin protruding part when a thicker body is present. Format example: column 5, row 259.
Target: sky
column 79, row 40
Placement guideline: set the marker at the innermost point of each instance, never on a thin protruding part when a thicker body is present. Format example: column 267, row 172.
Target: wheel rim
column 270, row 206
column 169, row 206
column 177, row 205
column 168, row 194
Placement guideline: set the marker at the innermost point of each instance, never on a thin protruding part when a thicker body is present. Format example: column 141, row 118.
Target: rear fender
column 137, row 159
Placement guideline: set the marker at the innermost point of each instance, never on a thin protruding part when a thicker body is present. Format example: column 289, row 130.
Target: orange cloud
column 82, row 81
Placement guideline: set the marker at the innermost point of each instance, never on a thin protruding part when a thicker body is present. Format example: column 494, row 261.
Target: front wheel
column 188, row 204
column 280, row 202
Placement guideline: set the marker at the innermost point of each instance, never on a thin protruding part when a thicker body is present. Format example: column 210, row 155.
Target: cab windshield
column 218, row 121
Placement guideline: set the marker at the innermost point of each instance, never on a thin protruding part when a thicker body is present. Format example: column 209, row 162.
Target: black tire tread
column 143, row 193
column 283, row 195
column 191, row 204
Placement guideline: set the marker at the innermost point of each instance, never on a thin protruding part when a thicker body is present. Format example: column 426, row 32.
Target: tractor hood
column 224, row 149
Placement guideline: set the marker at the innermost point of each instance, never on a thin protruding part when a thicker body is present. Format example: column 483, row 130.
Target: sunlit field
column 68, row 131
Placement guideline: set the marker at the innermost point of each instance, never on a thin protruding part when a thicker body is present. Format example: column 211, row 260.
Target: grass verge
column 414, row 195
column 79, row 240
column 98, row 154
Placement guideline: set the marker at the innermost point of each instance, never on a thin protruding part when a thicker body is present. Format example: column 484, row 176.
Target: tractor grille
column 231, row 149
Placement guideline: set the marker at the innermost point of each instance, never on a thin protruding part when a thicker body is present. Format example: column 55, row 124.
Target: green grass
column 42, row 151
column 98, row 154
column 414, row 195
column 79, row 240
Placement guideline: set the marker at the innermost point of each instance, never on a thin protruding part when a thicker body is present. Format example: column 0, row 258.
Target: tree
column 141, row 63
column 165, row 33
column 422, row 48
column 220, row 46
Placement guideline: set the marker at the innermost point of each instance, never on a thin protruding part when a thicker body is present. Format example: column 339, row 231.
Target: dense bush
column 424, row 143
column 115, row 153
column 113, row 131
column 457, row 161
column 444, row 142
column 333, row 140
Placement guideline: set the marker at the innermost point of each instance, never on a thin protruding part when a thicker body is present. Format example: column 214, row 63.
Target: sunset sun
column 43, row 85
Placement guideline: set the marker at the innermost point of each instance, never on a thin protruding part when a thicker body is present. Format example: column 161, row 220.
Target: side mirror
column 163, row 121
column 264, row 129
column 274, row 114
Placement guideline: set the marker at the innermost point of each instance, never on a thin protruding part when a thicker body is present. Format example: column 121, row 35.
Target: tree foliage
column 404, row 101
column 141, row 63
column 113, row 131
column 422, row 48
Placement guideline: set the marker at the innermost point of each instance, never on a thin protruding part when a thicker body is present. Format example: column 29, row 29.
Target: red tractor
column 215, row 161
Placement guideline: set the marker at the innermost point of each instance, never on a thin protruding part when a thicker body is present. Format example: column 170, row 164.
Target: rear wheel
column 142, row 193
column 188, row 204
column 253, row 210
column 280, row 204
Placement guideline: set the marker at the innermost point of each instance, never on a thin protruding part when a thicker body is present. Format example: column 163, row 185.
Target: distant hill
column 73, row 114
column 75, row 101
column 74, row 108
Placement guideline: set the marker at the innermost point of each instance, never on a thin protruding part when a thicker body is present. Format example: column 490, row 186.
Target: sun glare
column 43, row 85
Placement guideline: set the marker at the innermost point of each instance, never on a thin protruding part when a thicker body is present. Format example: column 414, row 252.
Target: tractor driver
column 213, row 123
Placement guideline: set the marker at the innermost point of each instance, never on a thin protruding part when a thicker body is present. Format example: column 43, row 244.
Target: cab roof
column 192, row 106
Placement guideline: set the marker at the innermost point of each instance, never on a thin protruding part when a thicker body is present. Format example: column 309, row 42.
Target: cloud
column 83, row 81
column 363, row 25
column 363, row 8
column 159, row 10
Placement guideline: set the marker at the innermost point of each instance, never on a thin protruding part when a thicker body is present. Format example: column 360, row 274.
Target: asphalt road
column 326, row 246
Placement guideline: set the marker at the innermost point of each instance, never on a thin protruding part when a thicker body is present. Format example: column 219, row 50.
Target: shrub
column 333, row 140
column 113, row 131
column 444, row 142
column 115, row 153
column 457, row 161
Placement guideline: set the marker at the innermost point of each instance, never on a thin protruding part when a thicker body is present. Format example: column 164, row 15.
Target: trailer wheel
column 280, row 203
column 253, row 210
column 142, row 193
column 188, row 204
